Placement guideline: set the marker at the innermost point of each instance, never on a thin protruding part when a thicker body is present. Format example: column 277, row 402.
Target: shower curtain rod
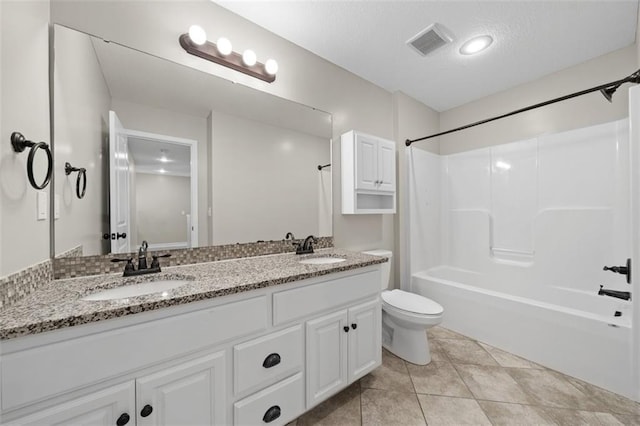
column 606, row 89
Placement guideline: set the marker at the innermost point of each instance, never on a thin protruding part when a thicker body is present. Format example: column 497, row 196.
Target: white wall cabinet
column 232, row 360
column 341, row 348
column 368, row 174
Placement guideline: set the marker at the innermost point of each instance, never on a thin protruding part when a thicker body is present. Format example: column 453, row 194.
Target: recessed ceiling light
column 476, row 44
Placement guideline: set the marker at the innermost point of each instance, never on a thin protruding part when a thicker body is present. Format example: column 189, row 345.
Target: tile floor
column 470, row 383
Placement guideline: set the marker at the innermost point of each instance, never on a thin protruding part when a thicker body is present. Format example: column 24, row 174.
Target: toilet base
column 410, row 344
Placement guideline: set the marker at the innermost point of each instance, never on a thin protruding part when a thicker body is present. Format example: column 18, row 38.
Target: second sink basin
column 133, row 290
column 322, row 260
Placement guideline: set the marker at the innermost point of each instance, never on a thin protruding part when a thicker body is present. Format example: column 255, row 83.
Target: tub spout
column 625, row 295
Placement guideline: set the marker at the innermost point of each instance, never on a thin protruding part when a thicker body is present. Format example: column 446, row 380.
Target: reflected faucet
column 142, row 255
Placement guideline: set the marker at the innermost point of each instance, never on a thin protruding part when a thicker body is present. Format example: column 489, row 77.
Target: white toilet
column 406, row 318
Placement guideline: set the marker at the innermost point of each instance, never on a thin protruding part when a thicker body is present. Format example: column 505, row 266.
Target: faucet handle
column 129, row 266
column 154, row 262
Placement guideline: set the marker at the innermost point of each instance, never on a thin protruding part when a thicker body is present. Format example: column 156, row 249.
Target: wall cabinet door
column 108, row 407
column 365, row 333
column 386, row 166
column 366, row 162
column 326, row 356
column 192, row 393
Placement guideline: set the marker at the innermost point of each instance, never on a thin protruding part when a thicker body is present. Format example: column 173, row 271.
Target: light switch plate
column 41, row 205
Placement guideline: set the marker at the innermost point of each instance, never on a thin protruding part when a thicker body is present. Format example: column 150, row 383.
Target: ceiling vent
column 430, row 39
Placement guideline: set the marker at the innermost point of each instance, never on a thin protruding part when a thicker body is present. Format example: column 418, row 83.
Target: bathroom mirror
column 176, row 156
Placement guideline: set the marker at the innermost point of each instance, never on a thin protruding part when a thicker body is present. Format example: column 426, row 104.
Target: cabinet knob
column 271, row 414
column 354, row 326
column 346, row 328
column 123, row 419
column 146, row 410
column 271, row 360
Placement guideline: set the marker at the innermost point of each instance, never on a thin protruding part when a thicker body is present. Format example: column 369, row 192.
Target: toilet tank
column 386, row 267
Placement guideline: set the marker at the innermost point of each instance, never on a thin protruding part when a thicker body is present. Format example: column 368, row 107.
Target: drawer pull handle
column 354, row 326
column 146, row 410
column 271, row 360
column 271, row 414
column 122, row 420
column 346, row 328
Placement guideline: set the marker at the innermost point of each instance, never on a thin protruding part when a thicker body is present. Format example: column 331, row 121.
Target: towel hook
column 19, row 143
column 82, row 176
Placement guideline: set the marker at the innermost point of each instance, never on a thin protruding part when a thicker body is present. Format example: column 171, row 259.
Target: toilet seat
column 411, row 303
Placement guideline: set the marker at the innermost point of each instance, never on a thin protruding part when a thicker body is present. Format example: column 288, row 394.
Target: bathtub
column 569, row 331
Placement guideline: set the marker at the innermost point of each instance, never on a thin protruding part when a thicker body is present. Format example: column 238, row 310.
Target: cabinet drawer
column 261, row 361
column 35, row 374
column 305, row 301
column 276, row 405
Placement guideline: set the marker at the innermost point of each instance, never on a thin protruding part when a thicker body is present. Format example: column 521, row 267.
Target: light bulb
column 476, row 45
column 224, row 46
column 271, row 66
column 197, row 35
column 249, row 58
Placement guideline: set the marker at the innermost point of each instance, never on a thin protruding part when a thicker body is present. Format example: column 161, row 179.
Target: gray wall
column 24, row 99
column 162, row 205
column 82, row 102
column 285, row 196
column 579, row 112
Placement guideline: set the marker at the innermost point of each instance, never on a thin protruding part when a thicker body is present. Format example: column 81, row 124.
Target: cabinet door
column 326, row 356
column 365, row 346
column 192, row 393
column 108, row 407
column 386, row 166
column 366, row 162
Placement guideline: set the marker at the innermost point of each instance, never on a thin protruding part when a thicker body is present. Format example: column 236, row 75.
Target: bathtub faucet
column 625, row 295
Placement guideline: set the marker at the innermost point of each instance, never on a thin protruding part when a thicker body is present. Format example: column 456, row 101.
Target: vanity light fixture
column 195, row 42
column 476, row 45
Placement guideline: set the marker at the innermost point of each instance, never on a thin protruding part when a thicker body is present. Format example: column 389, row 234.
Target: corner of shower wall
column 424, row 170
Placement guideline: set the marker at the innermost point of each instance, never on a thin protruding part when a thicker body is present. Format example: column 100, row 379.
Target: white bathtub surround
column 512, row 239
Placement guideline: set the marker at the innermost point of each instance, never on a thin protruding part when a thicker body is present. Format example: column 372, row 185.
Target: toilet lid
column 411, row 302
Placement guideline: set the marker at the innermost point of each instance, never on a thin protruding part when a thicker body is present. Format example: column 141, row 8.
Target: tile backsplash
column 18, row 285
column 70, row 267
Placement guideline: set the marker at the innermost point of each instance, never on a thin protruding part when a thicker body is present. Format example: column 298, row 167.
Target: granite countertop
column 58, row 304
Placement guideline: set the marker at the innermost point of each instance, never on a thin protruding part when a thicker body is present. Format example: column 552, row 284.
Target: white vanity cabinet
column 368, row 174
column 192, row 393
column 261, row 356
column 342, row 347
column 108, row 407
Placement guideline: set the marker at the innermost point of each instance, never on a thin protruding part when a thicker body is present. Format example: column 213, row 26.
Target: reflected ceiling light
column 197, row 35
column 195, row 43
column 476, row 45
column 162, row 171
column 163, row 157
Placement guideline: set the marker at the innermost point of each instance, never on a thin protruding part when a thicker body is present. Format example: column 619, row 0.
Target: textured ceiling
column 531, row 39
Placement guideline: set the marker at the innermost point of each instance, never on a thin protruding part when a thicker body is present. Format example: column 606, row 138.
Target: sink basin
column 133, row 290
column 322, row 260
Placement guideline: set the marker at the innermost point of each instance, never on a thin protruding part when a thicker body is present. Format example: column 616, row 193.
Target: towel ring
column 19, row 143
column 82, row 176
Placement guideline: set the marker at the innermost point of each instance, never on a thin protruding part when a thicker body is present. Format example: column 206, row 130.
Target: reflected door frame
column 193, row 178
